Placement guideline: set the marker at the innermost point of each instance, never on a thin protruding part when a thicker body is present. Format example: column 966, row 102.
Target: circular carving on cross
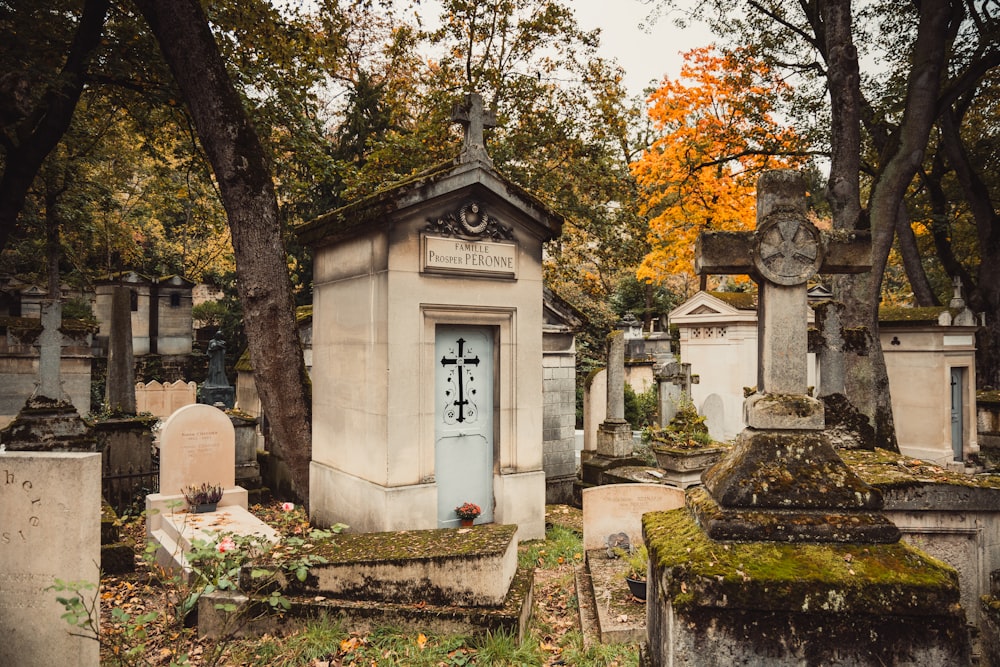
column 473, row 220
column 788, row 249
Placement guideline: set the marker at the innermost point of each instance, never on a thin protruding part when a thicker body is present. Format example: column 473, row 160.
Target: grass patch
column 560, row 546
column 610, row 655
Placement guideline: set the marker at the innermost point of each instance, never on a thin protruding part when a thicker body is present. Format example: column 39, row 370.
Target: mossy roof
column 906, row 314
column 378, row 207
column 738, row 300
column 884, row 469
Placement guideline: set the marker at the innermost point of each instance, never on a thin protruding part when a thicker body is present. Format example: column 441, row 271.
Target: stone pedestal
column 218, row 395
column 804, row 604
column 789, row 486
column 48, row 424
column 614, row 438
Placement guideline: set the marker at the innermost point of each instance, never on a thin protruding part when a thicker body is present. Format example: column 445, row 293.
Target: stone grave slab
column 618, row 508
column 50, row 523
column 464, row 581
column 197, row 445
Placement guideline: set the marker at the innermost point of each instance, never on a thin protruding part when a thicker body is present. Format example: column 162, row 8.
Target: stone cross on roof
column 474, row 118
column 784, row 252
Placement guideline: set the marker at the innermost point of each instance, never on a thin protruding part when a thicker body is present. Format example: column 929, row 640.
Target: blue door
column 463, row 432
column 957, row 413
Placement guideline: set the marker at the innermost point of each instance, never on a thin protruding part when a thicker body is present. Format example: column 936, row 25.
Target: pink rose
column 226, row 544
column 288, row 507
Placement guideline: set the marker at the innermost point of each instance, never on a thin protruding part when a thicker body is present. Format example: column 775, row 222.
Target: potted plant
column 636, row 565
column 685, row 445
column 467, row 513
column 202, row 498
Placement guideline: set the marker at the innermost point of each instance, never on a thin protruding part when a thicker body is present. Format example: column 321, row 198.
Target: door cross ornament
column 466, row 411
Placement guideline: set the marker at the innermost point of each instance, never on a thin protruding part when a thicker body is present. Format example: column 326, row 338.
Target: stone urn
column 687, row 459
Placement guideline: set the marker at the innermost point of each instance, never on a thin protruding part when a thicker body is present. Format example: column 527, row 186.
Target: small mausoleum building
column 718, row 337
column 930, row 358
column 427, row 350
column 161, row 313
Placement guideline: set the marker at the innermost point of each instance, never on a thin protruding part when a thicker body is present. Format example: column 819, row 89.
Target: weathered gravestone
column 427, row 349
column 50, row 522
column 618, row 508
column 50, row 505
column 119, row 391
column 674, row 382
column 784, row 558
column 197, row 446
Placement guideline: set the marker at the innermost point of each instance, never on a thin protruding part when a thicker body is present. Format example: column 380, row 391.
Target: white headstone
column 50, row 528
column 618, row 508
column 197, row 445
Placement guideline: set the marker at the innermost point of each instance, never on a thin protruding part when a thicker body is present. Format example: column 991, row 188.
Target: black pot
column 637, row 587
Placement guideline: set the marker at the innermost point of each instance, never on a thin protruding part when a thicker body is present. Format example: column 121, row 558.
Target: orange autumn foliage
column 716, row 133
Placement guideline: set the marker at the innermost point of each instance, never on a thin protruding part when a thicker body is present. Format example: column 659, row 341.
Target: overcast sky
column 644, row 55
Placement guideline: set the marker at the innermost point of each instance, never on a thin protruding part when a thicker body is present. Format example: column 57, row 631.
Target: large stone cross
column 784, row 252
column 782, row 480
column 474, row 118
column 49, row 382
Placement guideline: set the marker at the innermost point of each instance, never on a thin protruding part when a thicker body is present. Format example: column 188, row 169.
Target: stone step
column 251, row 617
column 471, row 567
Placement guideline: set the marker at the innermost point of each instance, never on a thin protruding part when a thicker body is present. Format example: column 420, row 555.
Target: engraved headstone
column 197, row 445
column 50, row 522
column 618, row 508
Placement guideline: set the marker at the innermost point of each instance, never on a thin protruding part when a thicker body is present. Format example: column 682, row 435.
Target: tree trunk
column 866, row 382
column 244, row 177
column 899, row 165
column 923, row 293
column 984, row 294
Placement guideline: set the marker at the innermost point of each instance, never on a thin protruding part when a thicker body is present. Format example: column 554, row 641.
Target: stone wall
column 559, row 417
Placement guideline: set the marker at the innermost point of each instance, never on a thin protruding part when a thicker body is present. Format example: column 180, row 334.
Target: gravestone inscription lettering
column 197, row 445
column 49, row 529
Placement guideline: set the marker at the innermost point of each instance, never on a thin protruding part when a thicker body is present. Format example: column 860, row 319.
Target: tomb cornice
column 451, row 180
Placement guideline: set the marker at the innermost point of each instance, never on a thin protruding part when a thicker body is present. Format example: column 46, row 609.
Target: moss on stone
column 738, row 300
column 885, row 469
column 414, row 544
column 927, row 314
column 992, row 396
column 695, row 571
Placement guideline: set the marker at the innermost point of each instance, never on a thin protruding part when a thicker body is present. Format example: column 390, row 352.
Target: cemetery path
column 139, row 620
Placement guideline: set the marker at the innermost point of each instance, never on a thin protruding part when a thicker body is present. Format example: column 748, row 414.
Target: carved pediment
column 470, row 221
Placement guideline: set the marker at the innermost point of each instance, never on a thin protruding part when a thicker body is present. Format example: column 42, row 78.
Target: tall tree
column 928, row 51
column 717, row 132
column 243, row 173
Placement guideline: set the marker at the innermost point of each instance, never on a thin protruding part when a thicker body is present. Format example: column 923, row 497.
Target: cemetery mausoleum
column 427, row 350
